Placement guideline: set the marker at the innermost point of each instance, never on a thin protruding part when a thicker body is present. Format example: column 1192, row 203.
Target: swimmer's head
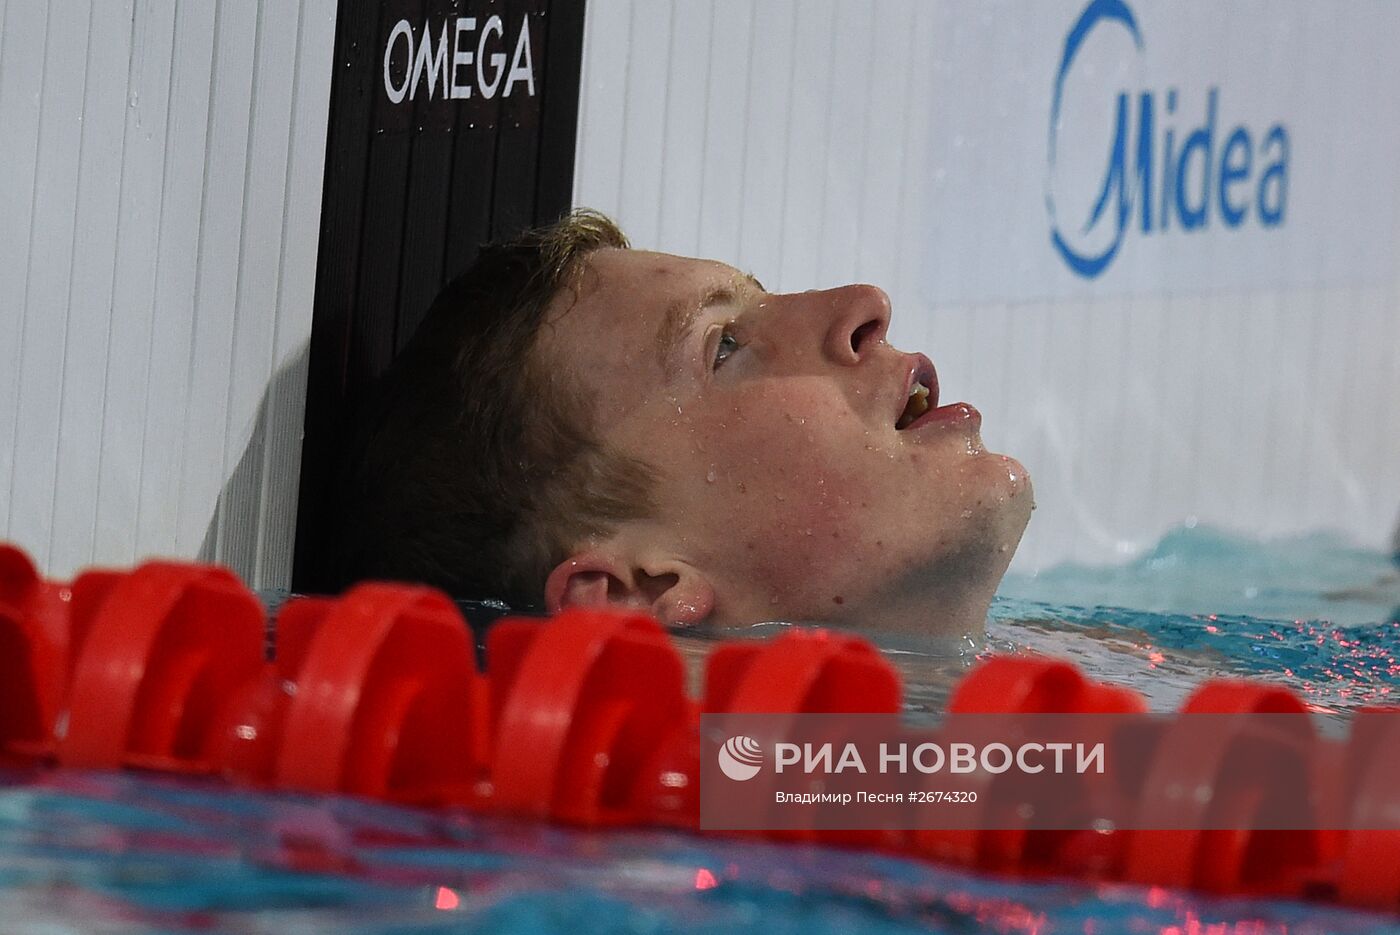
column 667, row 435
column 476, row 465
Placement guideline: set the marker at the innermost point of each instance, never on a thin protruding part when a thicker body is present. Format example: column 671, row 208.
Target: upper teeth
column 916, row 406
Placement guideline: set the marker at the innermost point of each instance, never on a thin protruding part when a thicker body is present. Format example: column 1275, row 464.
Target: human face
column 789, row 474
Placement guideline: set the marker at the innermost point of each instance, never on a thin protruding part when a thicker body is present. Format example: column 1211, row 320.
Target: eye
column 727, row 345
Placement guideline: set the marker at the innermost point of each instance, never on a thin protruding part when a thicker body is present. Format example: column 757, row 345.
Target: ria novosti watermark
column 1046, row 771
column 932, row 757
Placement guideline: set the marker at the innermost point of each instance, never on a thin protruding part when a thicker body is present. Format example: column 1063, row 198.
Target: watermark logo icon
column 740, row 758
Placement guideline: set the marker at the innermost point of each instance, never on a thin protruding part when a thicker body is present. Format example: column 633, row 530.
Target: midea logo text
column 1179, row 171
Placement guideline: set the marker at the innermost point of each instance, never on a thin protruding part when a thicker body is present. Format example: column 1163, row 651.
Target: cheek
column 799, row 506
column 772, row 478
column 794, row 467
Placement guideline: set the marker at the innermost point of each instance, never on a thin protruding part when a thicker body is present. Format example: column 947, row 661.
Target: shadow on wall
column 253, row 529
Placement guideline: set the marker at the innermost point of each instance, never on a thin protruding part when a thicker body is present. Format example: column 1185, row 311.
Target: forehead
column 633, row 288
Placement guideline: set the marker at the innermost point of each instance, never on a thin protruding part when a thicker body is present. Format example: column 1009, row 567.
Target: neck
column 945, row 612
column 948, row 598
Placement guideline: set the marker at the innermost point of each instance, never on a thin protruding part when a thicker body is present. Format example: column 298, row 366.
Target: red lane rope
column 585, row 719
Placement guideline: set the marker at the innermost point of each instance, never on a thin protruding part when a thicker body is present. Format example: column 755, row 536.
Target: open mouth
column 923, row 393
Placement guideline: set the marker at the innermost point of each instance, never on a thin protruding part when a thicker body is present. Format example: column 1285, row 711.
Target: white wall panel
column 793, row 139
column 46, row 285
column 71, row 538
column 301, row 218
column 257, row 312
column 168, row 373
column 23, row 36
column 763, row 172
column 605, row 72
column 144, row 159
column 160, row 184
column 209, row 406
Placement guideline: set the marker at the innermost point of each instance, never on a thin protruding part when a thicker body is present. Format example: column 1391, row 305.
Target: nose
column 860, row 318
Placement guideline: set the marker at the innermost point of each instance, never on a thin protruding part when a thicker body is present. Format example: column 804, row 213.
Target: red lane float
column 585, row 719
column 1181, row 781
column 165, row 645
column 807, row 672
column 579, row 708
column 801, row 672
column 1028, row 685
column 1031, row 684
column 32, row 664
column 388, row 702
column 1369, row 873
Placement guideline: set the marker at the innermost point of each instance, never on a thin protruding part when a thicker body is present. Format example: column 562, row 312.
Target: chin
column 1017, row 515
column 1003, row 475
column 1018, row 480
column 1007, row 501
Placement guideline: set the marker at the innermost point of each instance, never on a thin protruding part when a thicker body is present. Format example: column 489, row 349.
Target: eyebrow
column 680, row 317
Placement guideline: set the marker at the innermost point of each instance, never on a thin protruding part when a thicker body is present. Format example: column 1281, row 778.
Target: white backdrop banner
column 1134, row 147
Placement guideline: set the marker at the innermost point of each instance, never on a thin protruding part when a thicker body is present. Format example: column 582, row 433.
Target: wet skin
column 791, row 485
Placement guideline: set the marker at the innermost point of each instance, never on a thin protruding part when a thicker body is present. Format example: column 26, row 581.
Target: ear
column 674, row 592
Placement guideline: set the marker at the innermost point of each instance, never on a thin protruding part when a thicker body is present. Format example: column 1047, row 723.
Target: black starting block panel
column 452, row 122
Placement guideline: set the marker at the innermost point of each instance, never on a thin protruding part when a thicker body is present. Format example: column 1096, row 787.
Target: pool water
column 1314, row 614
column 124, row 852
